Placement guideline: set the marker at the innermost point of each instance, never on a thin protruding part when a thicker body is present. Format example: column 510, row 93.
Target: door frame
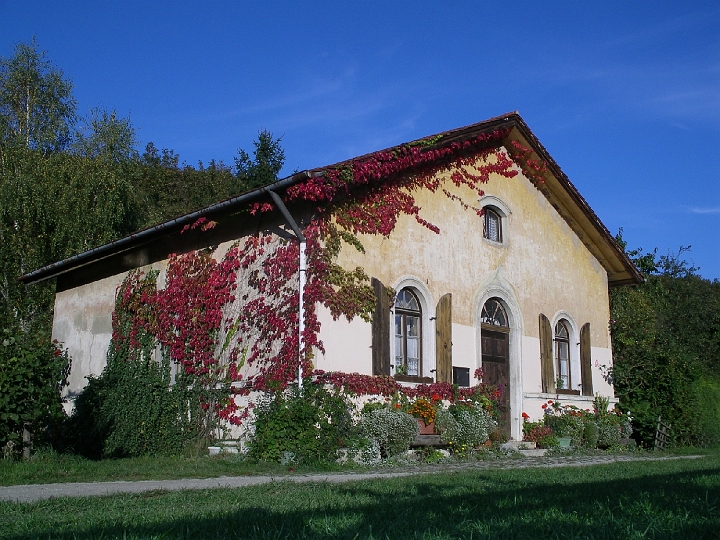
column 515, row 323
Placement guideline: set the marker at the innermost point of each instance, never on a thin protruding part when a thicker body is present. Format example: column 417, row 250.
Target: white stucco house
column 511, row 277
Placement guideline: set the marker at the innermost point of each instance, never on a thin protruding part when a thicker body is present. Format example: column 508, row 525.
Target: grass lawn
column 49, row 468
column 646, row 499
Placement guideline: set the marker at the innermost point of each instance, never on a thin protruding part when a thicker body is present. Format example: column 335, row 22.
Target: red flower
column 436, row 397
column 550, row 401
column 56, row 353
column 544, row 406
column 525, row 415
column 397, row 405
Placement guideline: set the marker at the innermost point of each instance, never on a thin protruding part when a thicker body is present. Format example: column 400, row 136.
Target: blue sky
column 624, row 95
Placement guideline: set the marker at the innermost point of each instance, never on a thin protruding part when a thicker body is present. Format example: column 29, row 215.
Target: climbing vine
column 247, row 340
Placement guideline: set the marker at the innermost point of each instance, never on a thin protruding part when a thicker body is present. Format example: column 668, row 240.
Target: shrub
column 394, row 430
column 132, row 410
column 708, row 391
column 609, row 433
column 464, row 425
column 590, row 434
column 540, row 434
column 312, row 425
column 32, row 374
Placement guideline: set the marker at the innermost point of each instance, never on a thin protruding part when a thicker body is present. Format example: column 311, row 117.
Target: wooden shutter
column 547, row 368
column 381, row 330
column 585, row 360
column 443, row 339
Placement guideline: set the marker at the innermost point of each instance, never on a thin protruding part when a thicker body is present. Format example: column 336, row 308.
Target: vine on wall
column 214, row 331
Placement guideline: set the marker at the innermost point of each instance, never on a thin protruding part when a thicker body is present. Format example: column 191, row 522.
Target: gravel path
column 36, row 492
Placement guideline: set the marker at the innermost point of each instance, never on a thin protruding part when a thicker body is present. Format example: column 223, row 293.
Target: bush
column 609, row 433
column 590, row 435
column 132, row 410
column 540, row 434
column 393, row 430
column 311, row 426
column 464, row 425
column 32, row 374
column 708, row 391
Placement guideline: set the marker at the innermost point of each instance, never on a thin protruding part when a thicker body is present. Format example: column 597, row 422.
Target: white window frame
column 427, row 318
column 574, row 342
column 503, row 211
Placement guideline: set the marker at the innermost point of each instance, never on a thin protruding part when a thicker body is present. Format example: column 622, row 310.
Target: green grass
column 677, row 498
column 49, row 467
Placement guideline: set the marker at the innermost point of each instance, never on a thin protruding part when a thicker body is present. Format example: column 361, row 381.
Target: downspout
column 301, row 286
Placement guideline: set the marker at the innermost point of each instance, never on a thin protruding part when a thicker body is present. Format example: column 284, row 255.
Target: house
column 465, row 253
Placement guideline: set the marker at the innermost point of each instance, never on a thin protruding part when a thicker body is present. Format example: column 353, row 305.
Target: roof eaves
column 152, row 233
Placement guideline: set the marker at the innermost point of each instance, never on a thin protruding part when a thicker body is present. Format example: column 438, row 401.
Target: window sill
column 568, row 392
column 494, row 242
column 414, row 379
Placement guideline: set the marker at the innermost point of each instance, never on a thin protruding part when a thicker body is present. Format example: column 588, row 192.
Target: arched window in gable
column 492, row 225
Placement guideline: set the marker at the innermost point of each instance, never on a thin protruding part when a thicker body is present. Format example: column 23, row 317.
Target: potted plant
column 424, row 411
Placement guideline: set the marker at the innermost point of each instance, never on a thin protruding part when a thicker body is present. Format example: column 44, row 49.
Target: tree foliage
column 269, row 158
column 106, row 135
column 68, row 185
column 666, row 345
column 37, row 108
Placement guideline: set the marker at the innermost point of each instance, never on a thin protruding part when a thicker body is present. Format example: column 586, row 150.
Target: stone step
column 518, row 445
column 538, row 452
column 427, row 440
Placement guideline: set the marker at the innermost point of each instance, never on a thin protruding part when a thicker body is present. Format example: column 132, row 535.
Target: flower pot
column 564, row 442
column 426, row 429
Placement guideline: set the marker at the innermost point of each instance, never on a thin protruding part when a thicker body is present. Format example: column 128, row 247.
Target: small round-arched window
column 408, row 317
column 492, row 225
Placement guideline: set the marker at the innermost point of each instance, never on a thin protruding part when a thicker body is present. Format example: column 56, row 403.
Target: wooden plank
column 381, row 329
column 547, row 367
column 586, row 360
column 443, row 339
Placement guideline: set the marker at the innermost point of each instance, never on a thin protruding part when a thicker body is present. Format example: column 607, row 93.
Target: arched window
column 492, row 229
column 562, row 355
column 408, row 334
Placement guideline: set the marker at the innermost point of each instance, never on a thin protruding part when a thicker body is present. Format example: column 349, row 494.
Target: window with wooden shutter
column 546, row 355
column 443, row 339
column 408, row 334
column 585, row 360
column 562, row 356
column 381, row 330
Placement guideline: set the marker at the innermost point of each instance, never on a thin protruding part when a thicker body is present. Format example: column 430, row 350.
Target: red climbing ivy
column 213, row 332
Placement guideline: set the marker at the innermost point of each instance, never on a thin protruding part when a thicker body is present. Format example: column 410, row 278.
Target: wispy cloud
column 696, row 210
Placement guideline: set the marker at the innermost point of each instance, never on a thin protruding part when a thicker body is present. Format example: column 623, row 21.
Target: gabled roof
column 556, row 187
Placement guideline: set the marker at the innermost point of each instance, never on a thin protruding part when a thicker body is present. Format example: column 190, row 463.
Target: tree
column 264, row 169
column 666, row 338
column 37, row 108
column 107, row 136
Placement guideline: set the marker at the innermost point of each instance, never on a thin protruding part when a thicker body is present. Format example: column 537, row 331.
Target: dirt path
column 36, row 492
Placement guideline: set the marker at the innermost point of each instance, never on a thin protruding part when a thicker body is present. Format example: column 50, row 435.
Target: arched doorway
column 495, row 350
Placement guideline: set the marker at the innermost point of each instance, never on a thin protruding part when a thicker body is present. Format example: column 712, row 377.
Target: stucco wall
column 83, row 324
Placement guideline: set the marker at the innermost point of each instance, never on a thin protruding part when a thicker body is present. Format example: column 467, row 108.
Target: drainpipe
column 301, row 286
